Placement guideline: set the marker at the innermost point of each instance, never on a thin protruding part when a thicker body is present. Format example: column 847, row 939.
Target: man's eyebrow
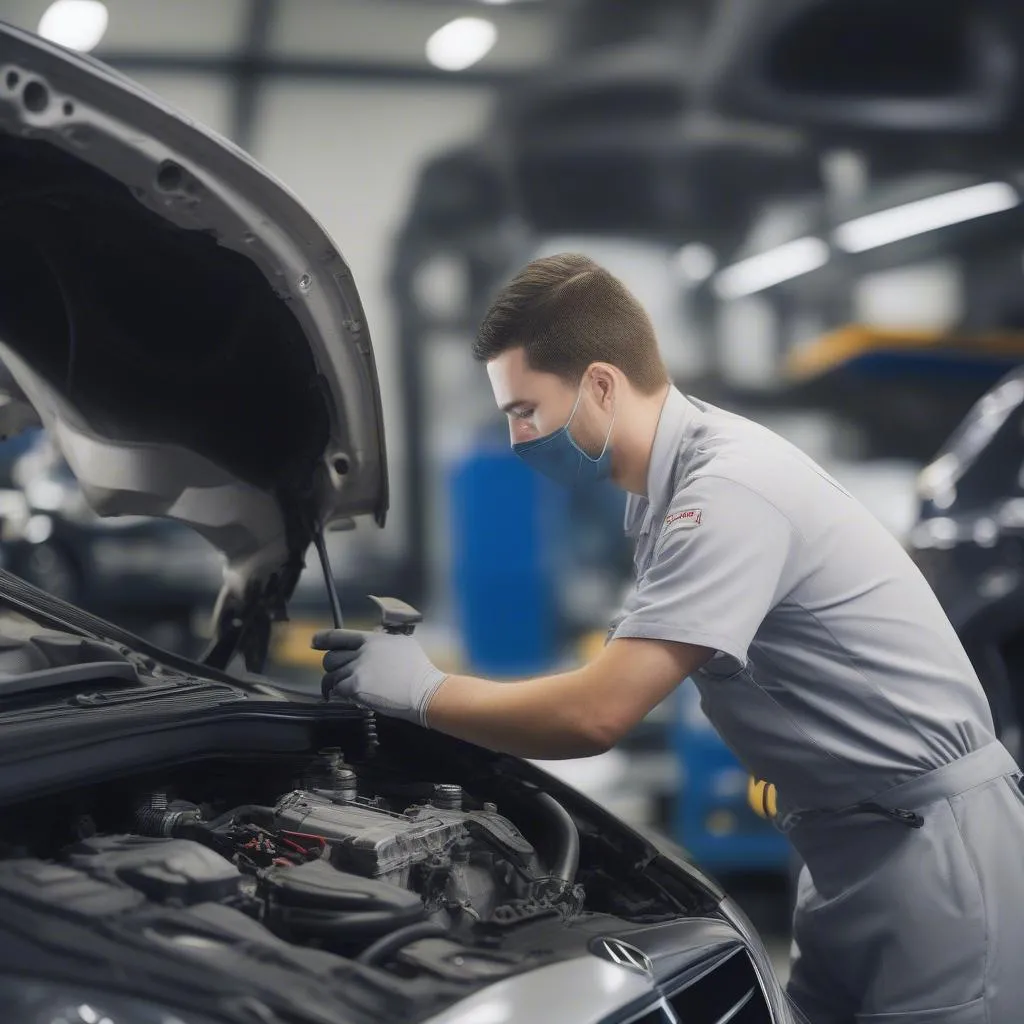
column 514, row 404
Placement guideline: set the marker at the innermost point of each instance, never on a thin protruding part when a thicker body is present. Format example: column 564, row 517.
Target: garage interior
column 819, row 203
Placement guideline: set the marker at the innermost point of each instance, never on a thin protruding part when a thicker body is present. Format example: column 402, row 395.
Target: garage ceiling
column 342, row 37
column 251, row 41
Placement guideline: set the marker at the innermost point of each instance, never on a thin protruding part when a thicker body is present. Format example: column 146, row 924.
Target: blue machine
column 508, row 524
column 712, row 818
column 519, row 544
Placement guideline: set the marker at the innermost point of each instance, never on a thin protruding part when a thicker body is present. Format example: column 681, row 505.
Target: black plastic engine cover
column 315, row 900
column 323, row 887
column 65, row 891
column 162, row 869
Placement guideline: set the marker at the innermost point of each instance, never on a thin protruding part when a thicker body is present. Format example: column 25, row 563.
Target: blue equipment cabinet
column 508, row 526
column 712, row 819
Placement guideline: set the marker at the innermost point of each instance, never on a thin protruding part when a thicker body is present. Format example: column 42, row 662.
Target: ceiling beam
column 305, row 69
column 261, row 16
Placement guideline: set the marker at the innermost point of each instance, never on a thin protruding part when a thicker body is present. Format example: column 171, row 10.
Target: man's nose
column 520, row 430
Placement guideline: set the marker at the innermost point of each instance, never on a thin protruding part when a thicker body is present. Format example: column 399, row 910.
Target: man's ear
column 605, row 383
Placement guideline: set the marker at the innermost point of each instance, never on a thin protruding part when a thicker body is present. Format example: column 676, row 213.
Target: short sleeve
column 718, row 568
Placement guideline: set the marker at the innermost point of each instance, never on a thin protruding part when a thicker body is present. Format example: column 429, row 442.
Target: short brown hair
column 567, row 312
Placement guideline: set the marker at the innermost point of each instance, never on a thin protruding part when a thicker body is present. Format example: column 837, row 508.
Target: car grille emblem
column 625, row 955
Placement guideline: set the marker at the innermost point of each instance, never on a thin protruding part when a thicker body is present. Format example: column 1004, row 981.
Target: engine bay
column 322, row 864
column 319, row 854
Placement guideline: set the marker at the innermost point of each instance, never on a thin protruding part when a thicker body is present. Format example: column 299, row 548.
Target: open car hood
column 186, row 331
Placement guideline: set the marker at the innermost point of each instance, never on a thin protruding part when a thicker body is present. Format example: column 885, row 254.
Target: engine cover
column 338, row 909
column 366, row 840
column 377, row 843
column 162, row 869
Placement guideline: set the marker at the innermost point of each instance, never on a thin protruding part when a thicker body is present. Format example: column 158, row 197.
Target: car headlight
column 30, row 1001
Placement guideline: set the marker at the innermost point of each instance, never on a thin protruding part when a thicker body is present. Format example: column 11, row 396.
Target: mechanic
column 820, row 653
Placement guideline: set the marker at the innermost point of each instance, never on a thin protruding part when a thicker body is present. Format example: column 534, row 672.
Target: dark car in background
column 182, row 839
column 969, row 543
column 154, row 575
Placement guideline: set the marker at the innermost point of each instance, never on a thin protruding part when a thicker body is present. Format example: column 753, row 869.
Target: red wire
column 305, row 835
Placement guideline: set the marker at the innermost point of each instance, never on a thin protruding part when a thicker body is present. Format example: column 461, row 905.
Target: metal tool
column 325, row 564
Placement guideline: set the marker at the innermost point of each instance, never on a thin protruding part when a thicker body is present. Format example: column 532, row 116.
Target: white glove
column 382, row 671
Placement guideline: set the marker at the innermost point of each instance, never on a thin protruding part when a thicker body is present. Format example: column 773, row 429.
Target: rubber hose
column 389, row 944
column 567, row 861
column 260, row 815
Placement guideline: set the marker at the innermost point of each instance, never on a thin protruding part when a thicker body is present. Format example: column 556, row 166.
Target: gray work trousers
column 902, row 925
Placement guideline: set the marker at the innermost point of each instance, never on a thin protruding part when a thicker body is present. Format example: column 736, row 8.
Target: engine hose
column 389, row 944
column 246, row 812
column 567, row 861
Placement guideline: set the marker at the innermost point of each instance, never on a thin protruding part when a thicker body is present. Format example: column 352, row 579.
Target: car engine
column 356, row 890
column 326, row 865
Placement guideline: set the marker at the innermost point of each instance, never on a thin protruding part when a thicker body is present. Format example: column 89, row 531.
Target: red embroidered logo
column 688, row 518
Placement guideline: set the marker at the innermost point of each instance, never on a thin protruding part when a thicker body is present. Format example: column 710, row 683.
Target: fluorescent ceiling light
column 461, row 43
column 76, row 24
column 771, row 268
column 929, row 214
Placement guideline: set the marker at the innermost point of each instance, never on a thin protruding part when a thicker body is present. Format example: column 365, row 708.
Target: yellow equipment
column 761, row 797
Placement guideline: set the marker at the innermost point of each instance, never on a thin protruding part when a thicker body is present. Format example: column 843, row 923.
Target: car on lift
column 183, row 838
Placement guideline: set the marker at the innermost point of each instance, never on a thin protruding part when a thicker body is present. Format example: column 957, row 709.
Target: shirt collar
column 676, row 414
column 668, row 438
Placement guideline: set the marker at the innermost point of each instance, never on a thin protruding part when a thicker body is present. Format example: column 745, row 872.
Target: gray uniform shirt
column 837, row 674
